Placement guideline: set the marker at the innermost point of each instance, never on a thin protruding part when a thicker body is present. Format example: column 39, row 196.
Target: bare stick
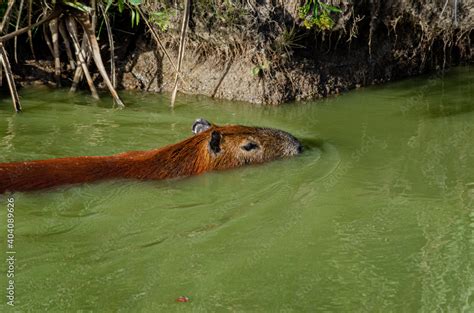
column 30, row 36
column 67, row 44
column 6, row 16
column 78, row 74
column 182, row 39
column 111, row 45
column 87, row 26
column 48, row 41
column 71, row 26
column 55, row 13
column 16, row 28
column 444, row 8
column 53, row 26
column 10, row 79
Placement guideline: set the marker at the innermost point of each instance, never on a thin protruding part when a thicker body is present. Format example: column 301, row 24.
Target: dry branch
column 111, row 45
column 10, row 79
column 182, row 43
column 16, row 28
column 6, row 16
column 55, row 13
column 30, row 36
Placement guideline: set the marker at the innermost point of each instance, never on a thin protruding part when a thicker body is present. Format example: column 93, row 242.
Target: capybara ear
column 215, row 142
column 200, row 125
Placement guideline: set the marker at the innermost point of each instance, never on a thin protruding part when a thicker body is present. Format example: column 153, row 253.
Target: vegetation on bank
column 274, row 35
column 72, row 28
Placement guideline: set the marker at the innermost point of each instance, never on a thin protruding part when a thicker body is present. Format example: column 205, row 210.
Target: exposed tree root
column 53, row 26
column 89, row 30
column 81, row 60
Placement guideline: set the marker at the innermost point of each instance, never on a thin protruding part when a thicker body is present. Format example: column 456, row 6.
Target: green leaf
column 330, row 8
column 78, row 6
column 256, row 71
column 121, row 5
column 161, row 19
column 315, row 9
column 109, row 4
column 135, row 2
column 132, row 15
column 138, row 18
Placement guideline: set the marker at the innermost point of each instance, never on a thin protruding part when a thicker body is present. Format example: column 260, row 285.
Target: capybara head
column 236, row 145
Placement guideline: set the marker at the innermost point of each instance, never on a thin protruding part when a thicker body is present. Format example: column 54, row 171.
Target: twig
column 10, row 79
column 30, row 36
column 6, row 16
column 182, row 43
column 111, row 45
column 444, row 8
column 20, row 9
column 55, row 13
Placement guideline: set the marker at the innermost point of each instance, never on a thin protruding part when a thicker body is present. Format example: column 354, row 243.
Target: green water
column 377, row 215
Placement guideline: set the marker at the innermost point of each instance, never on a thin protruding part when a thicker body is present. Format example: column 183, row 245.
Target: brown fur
column 214, row 148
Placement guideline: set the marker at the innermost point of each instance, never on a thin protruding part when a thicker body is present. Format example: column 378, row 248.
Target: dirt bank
column 259, row 51
column 371, row 42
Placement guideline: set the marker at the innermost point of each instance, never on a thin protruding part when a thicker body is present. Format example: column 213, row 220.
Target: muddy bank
column 370, row 43
column 262, row 51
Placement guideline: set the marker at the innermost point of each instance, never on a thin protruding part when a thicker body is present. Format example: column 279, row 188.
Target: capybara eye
column 250, row 146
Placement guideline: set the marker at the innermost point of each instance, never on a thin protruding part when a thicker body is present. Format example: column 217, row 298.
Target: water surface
column 377, row 215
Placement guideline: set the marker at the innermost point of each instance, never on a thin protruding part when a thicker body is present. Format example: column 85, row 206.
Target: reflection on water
column 376, row 215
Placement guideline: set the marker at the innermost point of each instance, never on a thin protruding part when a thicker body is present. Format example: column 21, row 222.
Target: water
column 377, row 215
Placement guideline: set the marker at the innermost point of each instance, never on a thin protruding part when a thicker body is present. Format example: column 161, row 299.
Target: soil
column 266, row 56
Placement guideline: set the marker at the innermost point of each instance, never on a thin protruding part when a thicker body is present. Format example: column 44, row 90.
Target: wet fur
column 215, row 148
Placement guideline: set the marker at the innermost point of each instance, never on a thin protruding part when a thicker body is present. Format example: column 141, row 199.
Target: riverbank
column 262, row 53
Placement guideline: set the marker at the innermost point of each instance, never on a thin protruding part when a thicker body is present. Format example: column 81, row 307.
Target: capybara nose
column 300, row 148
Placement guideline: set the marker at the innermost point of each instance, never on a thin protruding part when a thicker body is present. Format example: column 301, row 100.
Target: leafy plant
column 257, row 71
column 316, row 13
column 287, row 41
column 161, row 19
column 132, row 6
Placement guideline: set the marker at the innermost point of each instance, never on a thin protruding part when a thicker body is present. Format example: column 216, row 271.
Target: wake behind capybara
column 211, row 148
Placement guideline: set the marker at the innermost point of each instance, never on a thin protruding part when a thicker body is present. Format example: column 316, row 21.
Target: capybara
column 211, row 148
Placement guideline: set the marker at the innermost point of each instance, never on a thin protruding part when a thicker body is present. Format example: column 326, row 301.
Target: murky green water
column 376, row 216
